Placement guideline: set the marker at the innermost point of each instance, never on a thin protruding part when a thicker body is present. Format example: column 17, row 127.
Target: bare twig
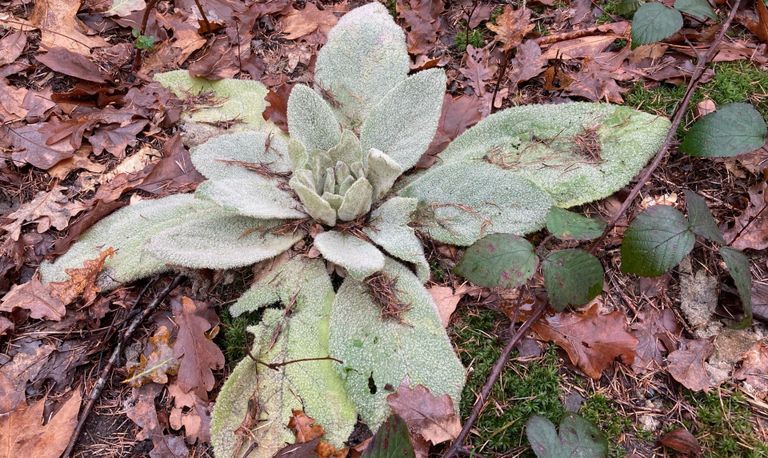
column 102, row 381
column 142, row 30
column 677, row 119
column 277, row 365
column 498, row 367
column 208, row 28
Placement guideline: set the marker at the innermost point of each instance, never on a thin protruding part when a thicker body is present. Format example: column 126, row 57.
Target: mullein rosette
column 351, row 139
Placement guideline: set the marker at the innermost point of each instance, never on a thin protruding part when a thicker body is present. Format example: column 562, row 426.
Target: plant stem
column 498, row 367
column 142, row 30
column 677, row 119
column 127, row 334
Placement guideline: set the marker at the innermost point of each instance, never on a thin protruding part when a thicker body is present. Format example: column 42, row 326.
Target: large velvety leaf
column 228, row 101
column 127, row 232
column 572, row 277
column 392, row 440
column 702, row 222
column 363, row 59
column 241, row 154
column 733, row 129
column 359, row 257
column 656, row 241
column 468, row 200
column 389, row 229
column 249, row 197
column 567, row 225
column 403, row 123
column 220, row 239
column 578, row 438
column 504, row 260
column 738, row 267
column 653, row 22
column 577, row 152
column 311, row 120
column 312, row 386
column 378, row 352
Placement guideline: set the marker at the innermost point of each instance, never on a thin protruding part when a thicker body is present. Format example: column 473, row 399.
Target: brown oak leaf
column 35, row 297
column 592, row 341
column 155, row 363
column 57, row 20
column 432, row 417
column 511, row 27
column 299, row 23
column 197, row 353
column 82, row 280
column 47, row 209
column 422, row 23
column 686, row 365
column 141, row 410
column 656, row 332
column 754, row 369
column 750, row 230
column 191, row 412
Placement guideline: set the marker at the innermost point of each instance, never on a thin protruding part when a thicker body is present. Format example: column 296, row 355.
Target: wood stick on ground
column 104, row 375
column 498, row 367
column 677, row 119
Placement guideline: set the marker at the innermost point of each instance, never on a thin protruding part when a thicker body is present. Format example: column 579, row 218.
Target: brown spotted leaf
column 592, row 341
column 197, row 353
column 82, row 280
column 47, row 209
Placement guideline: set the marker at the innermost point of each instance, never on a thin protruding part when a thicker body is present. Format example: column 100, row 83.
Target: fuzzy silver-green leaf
column 311, row 120
column 225, row 156
column 249, row 197
column 359, row 257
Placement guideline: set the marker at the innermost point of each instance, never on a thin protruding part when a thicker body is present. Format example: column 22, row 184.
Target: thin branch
column 498, row 367
column 677, row 119
column 102, row 381
column 142, row 30
column 275, row 366
column 208, row 28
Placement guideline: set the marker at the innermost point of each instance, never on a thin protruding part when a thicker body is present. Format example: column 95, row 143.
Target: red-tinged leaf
column 23, row 432
column 277, row 108
column 35, row 297
column 681, row 441
column 141, row 410
column 434, row 418
column 72, row 64
column 82, row 281
column 686, row 365
column 46, row 210
column 422, row 23
column 197, row 353
column 592, row 341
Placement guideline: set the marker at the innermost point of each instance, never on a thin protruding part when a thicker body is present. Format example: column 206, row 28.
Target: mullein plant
column 337, row 183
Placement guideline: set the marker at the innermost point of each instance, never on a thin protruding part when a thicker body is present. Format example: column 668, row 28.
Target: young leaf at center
column 656, row 241
column 572, row 277
column 498, row 260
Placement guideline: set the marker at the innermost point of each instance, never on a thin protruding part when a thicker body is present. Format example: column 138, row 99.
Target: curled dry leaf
column 158, row 363
column 22, row 432
column 682, row 441
column 73, row 64
column 687, row 364
column 592, row 341
column 82, row 281
column 431, row 417
column 47, row 209
column 35, row 297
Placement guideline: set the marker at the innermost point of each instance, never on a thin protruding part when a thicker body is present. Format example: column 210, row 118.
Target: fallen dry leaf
column 656, row 332
column 446, row 300
column 458, row 115
column 47, row 209
column 158, row 363
column 511, row 27
column 478, row 69
column 754, row 370
column 431, row 417
column 115, row 138
column 304, row 427
column 192, row 413
column 299, row 23
column 73, row 64
column 22, row 432
column 173, row 173
column 141, row 410
column 528, row 63
column 197, row 353
column 31, row 146
column 35, row 297
column 750, row 230
column 277, row 110
column 25, row 366
column 422, row 23
column 686, row 365
column 592, row 341
column 82, row 281
column 11, row 47
column 57, row 20
column 681, row 441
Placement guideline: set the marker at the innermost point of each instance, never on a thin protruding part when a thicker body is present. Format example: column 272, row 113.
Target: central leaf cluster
column 343, row 182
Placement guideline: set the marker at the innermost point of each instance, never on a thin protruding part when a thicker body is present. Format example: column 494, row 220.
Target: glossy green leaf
column 738, row 267
column 656, row 241
column 702, row 222
column 498, row 260
column 654, row 22
column 392, row 440
column 572, row 277
column 699, row 9
column 731, row 130
column 568, row 225
column 578, row 438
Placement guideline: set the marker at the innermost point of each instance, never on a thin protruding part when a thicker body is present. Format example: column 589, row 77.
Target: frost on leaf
column 235, row 104
column 576, row 152
column 127, row 232
column 378, row 352
column 464, row 201
column 363, row 59
column 257, row 401
column 221, row 240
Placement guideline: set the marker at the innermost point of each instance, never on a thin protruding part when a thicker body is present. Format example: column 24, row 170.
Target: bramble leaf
column 567, row 225
column 733, row 129
column 504, row 260
column 656, row 241
column 702, row 222
column 572, row 277
column 654, row 22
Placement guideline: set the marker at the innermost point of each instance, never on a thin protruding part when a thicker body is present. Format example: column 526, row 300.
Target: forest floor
column 85, row 126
